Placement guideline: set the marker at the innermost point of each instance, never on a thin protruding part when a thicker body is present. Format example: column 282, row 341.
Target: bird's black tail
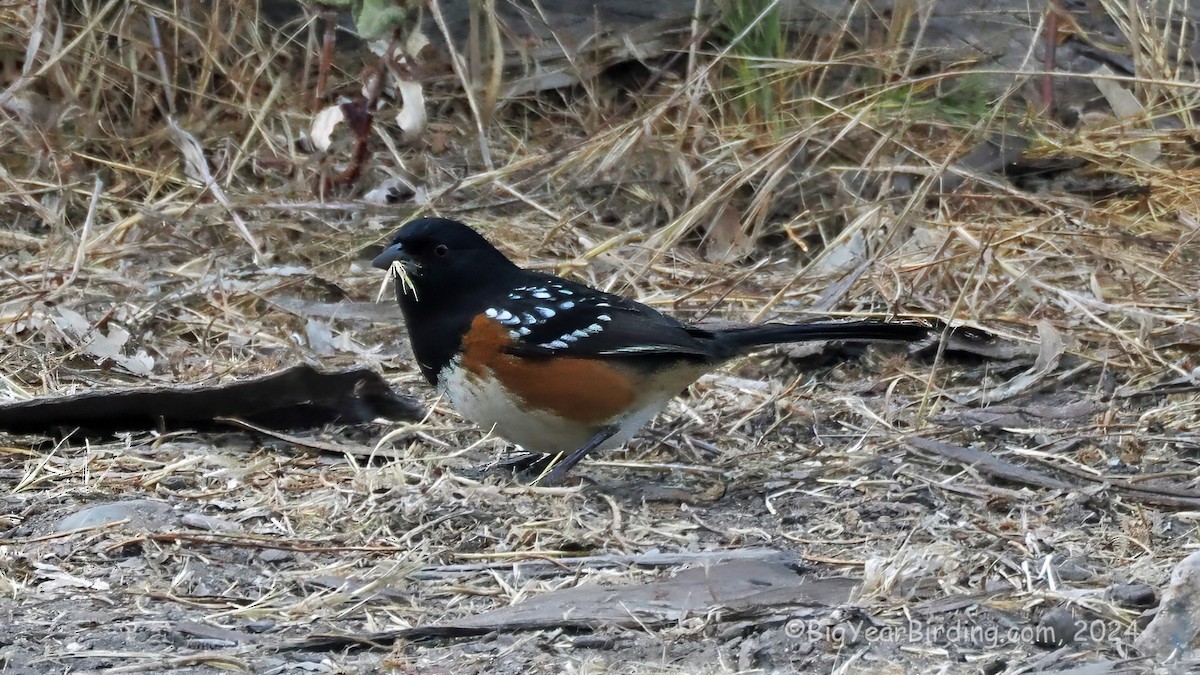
column 734, row 341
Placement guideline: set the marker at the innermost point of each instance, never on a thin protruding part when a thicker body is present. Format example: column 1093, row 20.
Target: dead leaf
column 725, row 239
column 323, row 125
column 195, row 166
column 1050, row 351
column 104, row 346
column 1126, row 106
column 850, row 247
column 411, row 118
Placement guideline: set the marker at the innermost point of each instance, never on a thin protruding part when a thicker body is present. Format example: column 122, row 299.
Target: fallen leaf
column 725, row 239
column 323, row 124
column 104, row 346
column 1126, row 106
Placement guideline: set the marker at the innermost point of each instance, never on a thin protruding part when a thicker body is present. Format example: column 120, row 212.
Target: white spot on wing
column 567, row 304
column 523, row 331
column 635, row 349
column 545, row 311
column 557, row 344
column 604, row 317
column 490, row 312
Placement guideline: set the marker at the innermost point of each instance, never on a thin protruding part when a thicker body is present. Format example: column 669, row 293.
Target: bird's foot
column 525, row 467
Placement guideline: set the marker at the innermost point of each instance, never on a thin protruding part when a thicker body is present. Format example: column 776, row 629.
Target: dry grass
column 177, row 281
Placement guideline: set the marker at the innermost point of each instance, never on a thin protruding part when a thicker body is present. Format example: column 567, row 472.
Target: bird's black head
column 455, row 274
column 442, row 258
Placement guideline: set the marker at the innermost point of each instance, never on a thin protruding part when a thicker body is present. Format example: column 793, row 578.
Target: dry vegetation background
column 739, row 185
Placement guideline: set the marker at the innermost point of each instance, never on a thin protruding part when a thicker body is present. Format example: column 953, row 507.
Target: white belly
column 485, row 402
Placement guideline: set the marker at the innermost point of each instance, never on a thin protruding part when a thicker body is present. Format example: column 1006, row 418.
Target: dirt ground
column 1011, row 507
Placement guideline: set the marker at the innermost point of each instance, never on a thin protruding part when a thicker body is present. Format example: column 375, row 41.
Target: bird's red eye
column 441, row 250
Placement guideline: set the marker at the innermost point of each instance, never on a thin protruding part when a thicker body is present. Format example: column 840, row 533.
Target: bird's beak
column 400, row 266
column 393, row 254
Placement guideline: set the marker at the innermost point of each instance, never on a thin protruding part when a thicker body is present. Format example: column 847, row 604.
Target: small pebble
column 274, row 555
column 1056, row 628
column 141, row 514
column 200, row 521
column 1134, row 596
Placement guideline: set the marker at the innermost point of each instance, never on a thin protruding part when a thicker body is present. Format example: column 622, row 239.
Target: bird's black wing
column 551, row 316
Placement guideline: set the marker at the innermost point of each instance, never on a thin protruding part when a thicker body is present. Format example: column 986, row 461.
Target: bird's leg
column 559, row 471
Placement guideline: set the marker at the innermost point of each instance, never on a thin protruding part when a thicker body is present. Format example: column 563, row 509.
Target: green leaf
column 375, row 19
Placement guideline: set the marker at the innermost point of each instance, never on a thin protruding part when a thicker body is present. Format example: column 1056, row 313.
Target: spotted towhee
column 551, row 364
